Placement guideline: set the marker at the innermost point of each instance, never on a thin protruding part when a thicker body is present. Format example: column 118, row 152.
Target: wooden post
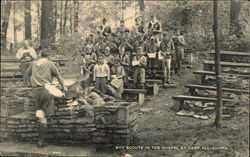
column 141, row 98
column 155, row 89
column 218, row 117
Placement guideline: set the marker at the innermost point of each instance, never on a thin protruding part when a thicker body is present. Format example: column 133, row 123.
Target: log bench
column 155, row 84
column 141, row 94
column 209, row 64
column 204, row 73
column 179, row 100
column 232, row 53
column 152, row 83
column 192, row 88
column 10, row 79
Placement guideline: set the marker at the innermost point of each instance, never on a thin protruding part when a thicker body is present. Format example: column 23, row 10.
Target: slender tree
column 27, row 19
column 61, row 18
column 65, row 16
column 5, row 24
column 76, row 14
column 218, row 117
column 142, row 8
column 235, row 28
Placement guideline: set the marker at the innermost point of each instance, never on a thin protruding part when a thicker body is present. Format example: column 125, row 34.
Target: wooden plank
column 10, row 79
column 11, row 70
column 232, row 53
column 149, row 80
column 225, row 74
column 196, row 98
column 135, row 90
column 13, row 60
column 193, row 86
column 229, row 64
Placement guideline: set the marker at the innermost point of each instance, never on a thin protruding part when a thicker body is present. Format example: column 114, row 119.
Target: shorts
column 44, row 101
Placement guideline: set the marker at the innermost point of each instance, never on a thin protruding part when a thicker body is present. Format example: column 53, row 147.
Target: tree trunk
column 47, row 23
column 218, row 117
column 55, row 20
column 5, row 24
column 235, row 28
column 61, row 18
column 38, row 23
column 142, row 8
column 65, row 16
column 14, row 24
column 71, row 18
column 76, row 12
column 27, row 19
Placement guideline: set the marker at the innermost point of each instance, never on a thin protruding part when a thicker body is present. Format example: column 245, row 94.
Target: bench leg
column 155, row 89
column 191, row 91
column 141, row 98
column 177, row 105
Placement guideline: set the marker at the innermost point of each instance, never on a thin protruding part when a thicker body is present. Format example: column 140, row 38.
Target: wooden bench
column 141, row 94
column 209, row 64
column 13, row 60
column 205, row 73
column 192, row 88
column 179, row 100
column 11, row 70
column 10, row 79
column 152, row 83
column 232, row 53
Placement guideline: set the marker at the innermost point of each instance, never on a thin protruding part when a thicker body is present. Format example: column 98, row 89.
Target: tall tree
column 65, row 16
column 5, row 24
column 61, row 18
column 218, row 117
column 235, row 28
column 142, row 8
column 47, row 23
column 27, row 19
column 55, row 20
column 76, row 14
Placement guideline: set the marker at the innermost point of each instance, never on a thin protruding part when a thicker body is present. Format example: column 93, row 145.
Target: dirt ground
column 161, row 132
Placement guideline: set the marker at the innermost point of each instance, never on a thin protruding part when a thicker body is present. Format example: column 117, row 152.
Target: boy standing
column 166, row 49
column 139, row 73
column 179, row 42
column 101, row 75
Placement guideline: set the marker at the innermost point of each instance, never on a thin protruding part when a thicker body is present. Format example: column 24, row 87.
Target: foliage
column 237, row 44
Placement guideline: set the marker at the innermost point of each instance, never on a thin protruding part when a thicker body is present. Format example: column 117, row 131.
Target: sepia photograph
column 125, row 78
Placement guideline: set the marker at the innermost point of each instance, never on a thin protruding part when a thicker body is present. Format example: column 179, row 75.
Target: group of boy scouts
column 123, row 54
column 109, row 60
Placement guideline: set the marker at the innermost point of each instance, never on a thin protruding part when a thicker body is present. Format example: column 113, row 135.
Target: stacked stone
column 110, row 125
column 23, row 129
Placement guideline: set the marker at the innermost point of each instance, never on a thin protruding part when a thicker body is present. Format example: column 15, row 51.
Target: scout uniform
column 26, row 55
column 166, row 48
column 179, row 42
column 152, row 48
column 139, row 73
column 101, row 74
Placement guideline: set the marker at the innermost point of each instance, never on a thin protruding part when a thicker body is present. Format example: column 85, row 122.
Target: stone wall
column 110, row 125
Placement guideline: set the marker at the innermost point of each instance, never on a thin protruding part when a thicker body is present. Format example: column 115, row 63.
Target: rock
column 234, row 96
column 185, row 113
column 200, row 117
column 198, row 104
column 146, row 110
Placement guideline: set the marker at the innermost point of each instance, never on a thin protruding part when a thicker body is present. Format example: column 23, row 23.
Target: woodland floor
column 162, row 127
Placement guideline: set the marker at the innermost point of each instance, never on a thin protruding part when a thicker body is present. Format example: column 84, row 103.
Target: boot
column 42, row 131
